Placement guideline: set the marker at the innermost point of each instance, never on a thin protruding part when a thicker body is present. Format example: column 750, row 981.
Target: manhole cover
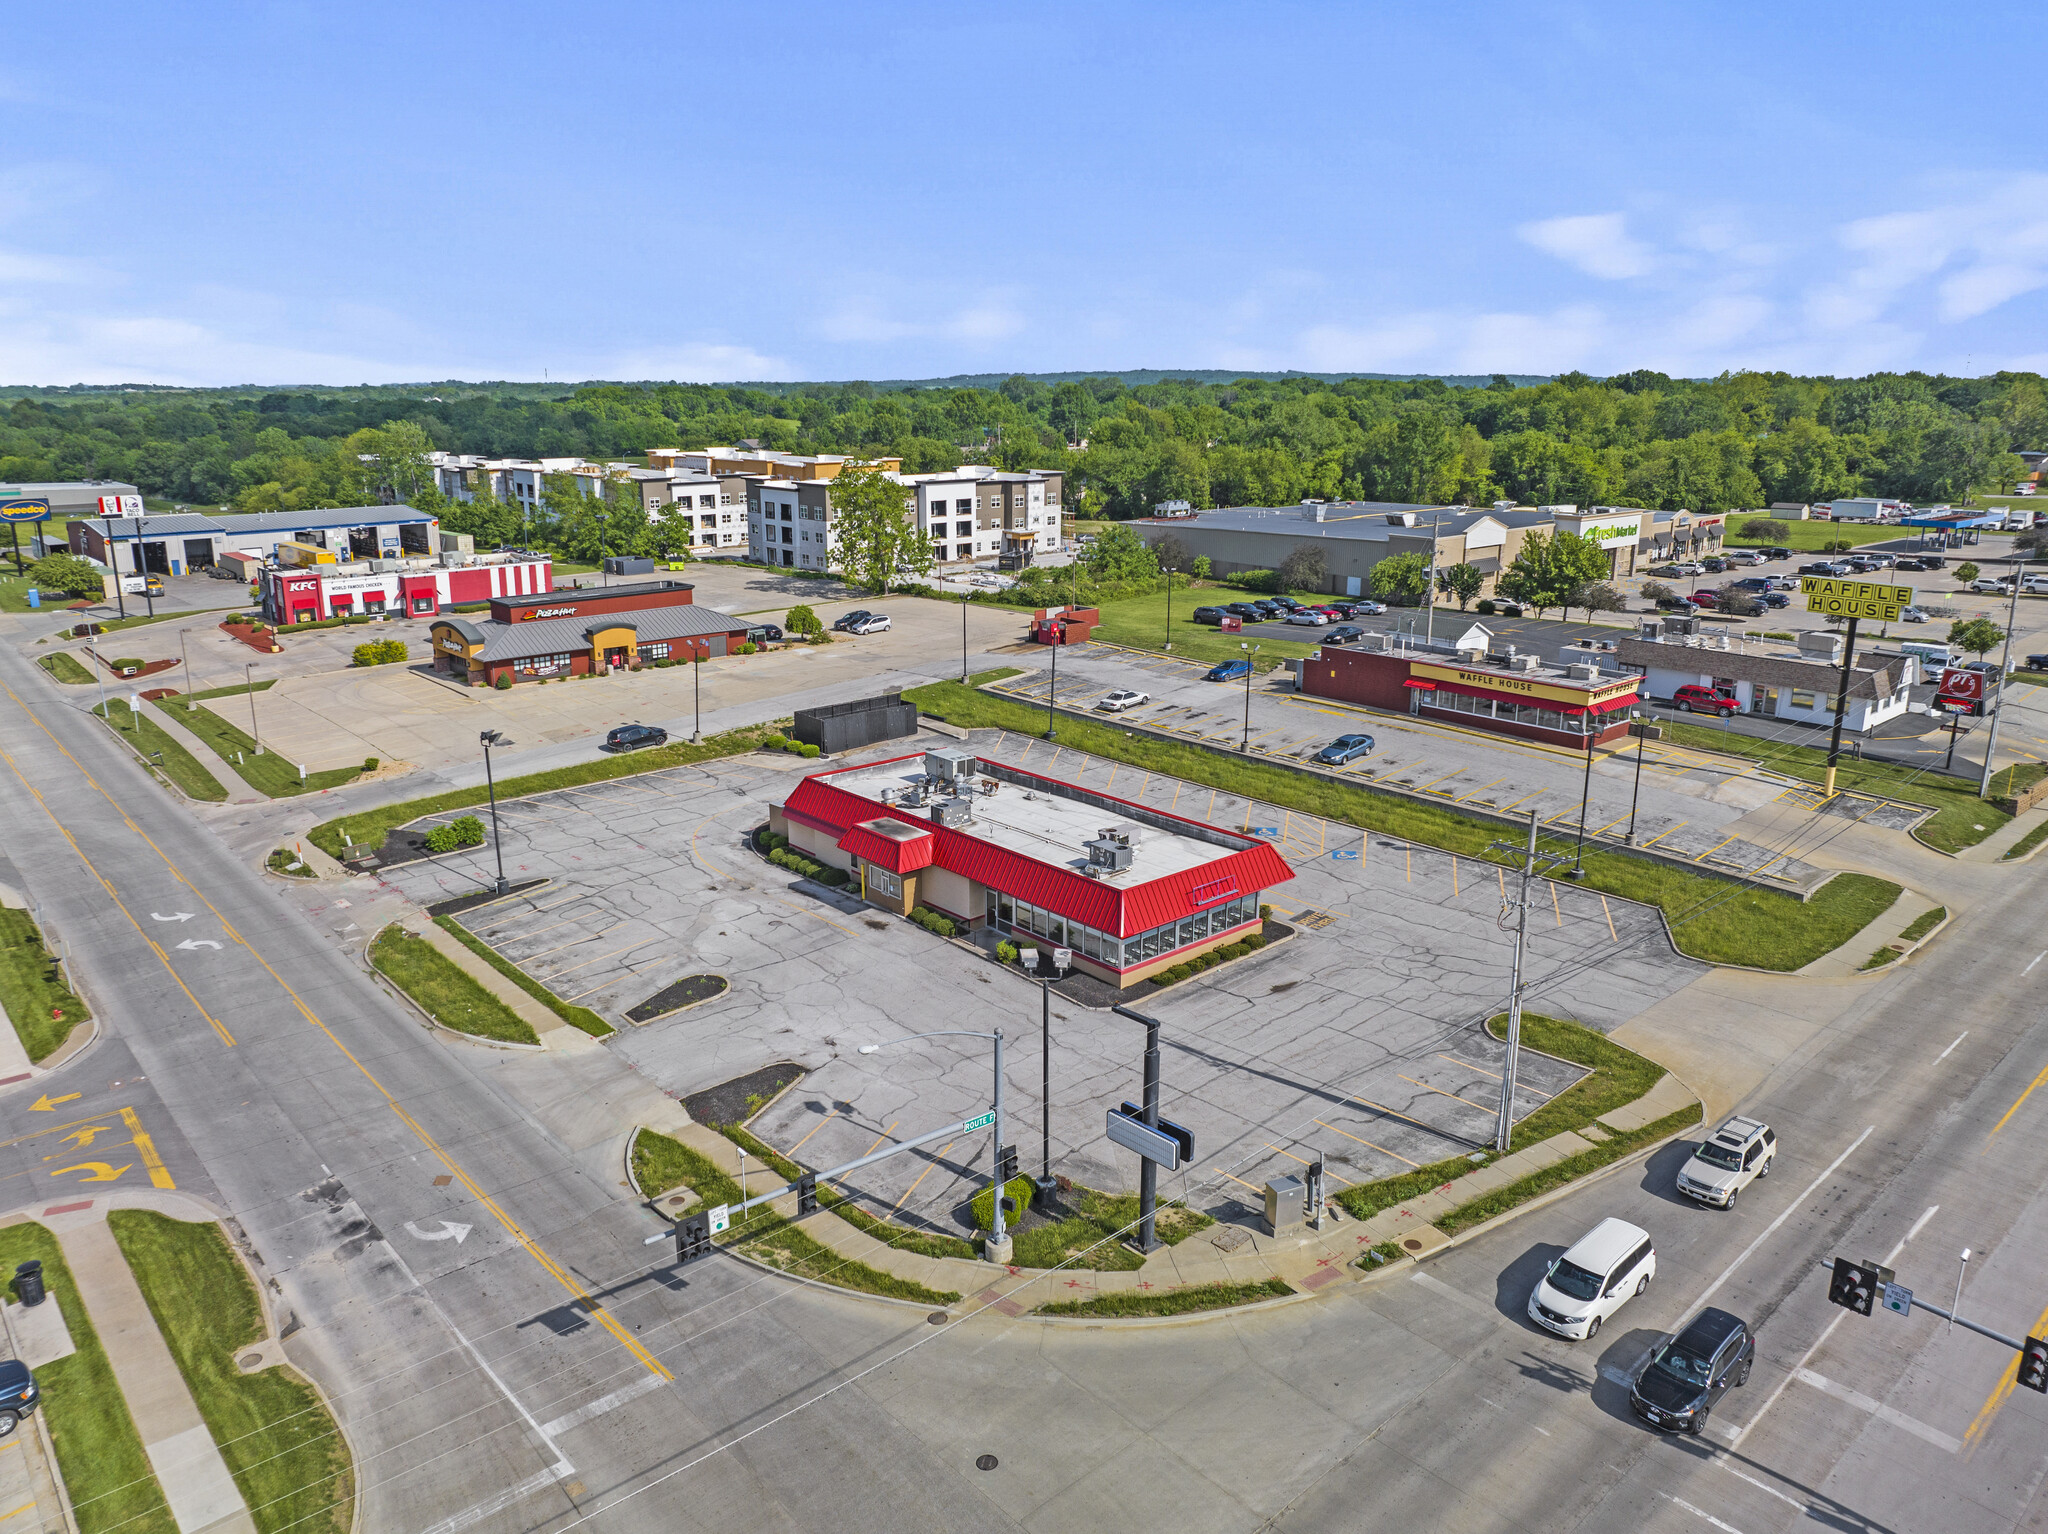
column 986, row 1462
column 938, row 1318
column 1412, row 1244
column 251, row 1360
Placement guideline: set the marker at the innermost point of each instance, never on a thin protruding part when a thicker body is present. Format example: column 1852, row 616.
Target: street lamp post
column 186, row 655
column 492, row 738
column 696, row 693
column 1246, row 743
column 965, row 598
column 249, row 686
column 1585, row 796
column 998, row 1241
column 1052, row 688
column 1046, row 1185
column 1169, row 608
column 1642, row 729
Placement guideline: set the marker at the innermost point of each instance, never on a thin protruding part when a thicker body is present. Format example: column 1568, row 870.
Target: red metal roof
column 1121, row 910
column 898, row 854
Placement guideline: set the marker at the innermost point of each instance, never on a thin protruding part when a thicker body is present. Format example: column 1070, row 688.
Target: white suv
column 1605, row 1268
column 1736, row 1155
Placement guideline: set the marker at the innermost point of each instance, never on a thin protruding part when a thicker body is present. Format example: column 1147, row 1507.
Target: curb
column 1911, row 949
column 434, row 1025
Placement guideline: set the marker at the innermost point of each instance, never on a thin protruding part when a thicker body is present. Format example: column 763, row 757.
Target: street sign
column 1855, row 599
column 721, row 1219
column 1961, row 684
column 1898, row 1299
column 27, row 510
column 1148, row 1142
column 983, row 1122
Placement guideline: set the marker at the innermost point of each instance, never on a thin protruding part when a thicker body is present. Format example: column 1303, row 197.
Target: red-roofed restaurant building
column 1130, row 889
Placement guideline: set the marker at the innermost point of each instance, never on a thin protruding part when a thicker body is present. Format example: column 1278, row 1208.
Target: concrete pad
column 39, row 1332
column 1421, row 1240
column 196, row 1482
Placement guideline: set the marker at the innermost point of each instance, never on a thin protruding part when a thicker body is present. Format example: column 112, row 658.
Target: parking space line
column 1608, row 911
column 1482, row 788
column 828, row 1118
column 1440, row 1092
column 1555, row 909
column 1715, row 848
column 1241, row 1182
column 879, row 1139
column 1513, row 802
column 1454, row 876
column 1522, row 1086
column 1664, row 833
column 921, row 1176
column 1306, row 1162
column 1369, row 1144
column 644, row 942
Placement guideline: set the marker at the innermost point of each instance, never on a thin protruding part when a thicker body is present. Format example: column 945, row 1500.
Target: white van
column 1603, row 1270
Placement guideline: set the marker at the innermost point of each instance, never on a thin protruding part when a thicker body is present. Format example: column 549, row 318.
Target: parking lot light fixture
column 1052, row 688
column 1251, row 654
column 997, row 1241
column 1638, row 722
column 249, row 686
column 491, row 738
column 1167, row 571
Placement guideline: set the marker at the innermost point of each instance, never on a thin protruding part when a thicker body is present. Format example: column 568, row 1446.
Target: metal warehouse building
column 185, row 541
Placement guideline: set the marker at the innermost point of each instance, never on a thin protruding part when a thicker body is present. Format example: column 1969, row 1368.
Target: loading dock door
column 198, row 553
column 362, row 542
column 155, row 557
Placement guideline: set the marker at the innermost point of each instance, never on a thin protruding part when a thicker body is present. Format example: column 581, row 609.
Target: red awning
column 1424, row 684
column 1627, row 700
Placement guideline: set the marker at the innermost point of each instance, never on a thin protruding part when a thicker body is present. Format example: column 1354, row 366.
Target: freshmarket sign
column 1613, row 535
column 1855, row 599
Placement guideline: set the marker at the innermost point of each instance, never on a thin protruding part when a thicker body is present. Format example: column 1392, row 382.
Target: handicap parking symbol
column 1348, row 856
column 1271, row 833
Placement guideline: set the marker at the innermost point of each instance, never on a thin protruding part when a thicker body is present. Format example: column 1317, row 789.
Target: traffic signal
column 1853, row 1286
column 2034, row 1365
column 693, row 1237
column 807, row 1194
column 1006, row 1164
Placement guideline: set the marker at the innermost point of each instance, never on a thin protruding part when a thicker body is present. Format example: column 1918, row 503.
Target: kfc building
column 416, row 590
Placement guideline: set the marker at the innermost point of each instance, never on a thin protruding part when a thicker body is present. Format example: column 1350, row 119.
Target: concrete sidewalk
column 169, row 721
column 1995, row 846
column 1229, row 1253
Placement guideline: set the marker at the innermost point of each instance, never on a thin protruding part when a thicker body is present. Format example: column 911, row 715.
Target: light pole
column 1246, row 743
column 1585, row 795
column 998, row 1241
column 185, row 655
column 1642, row 728
column 249, row 687
column 965, row 598
column 696, row 693
column 1052, row 689
column 492, row 738
column 1505, row 1126
column 1169, row 609
column 1998, row 704
column 1060, row 959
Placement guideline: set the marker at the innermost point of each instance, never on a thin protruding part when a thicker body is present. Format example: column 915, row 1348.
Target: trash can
column 1283, row 1206
column 28, row 1283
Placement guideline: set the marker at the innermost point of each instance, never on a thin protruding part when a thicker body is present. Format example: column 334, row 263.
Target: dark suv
column 1246, row 611
column 18, row 1394
column 631, row 737
column 1209, row 615
column 1677, row 1386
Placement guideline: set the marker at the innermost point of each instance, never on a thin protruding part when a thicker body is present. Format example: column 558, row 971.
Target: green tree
column 1597, row 597
column 1550, row 569
column 1202, row 568
column 876, row 530
column 1463, row 581
column 1766, row 530
column 1402, row 578
column 803, row 621
column 1119, row 556
column 1304, row 569
column 68, row 574
column 1976, row 636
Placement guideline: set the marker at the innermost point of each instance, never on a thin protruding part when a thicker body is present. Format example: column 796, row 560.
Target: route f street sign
column 1855, row 599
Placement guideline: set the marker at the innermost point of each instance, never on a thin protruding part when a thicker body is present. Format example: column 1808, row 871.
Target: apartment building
column 749, row 457
column 973, row 512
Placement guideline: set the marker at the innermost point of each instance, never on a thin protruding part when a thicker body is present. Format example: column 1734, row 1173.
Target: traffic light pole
column 1998, row 704
column 1148, row 1170
column 2015, row 1343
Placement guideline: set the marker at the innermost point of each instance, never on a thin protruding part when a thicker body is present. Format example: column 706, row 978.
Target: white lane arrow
column 451, row 1230
column 180, row 916
column 199, row 942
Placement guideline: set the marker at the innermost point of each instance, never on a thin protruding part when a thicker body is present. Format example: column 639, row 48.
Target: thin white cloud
column 1598, row 244
column 1985, row 249
column 864, row 321
column 691, row 363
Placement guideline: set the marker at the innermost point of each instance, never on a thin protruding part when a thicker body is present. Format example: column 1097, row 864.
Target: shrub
column 1007, row 951
column 803, row 621
column 1966, row 572
column 774, row 743
column 464, row 831
column 127, row 663
column 803, row 867
column 66, row 573
column 379, row 652
column 1265, row 913
column 747, row 647
column 369, row 764
column 1486, row 609
column 1020, row 1189
column 504, row 681
column 932, row 921
column 809, row 752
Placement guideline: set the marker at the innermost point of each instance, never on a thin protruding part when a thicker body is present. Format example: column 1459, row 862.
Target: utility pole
column 2012, row 619
column 1642, row 728
column 249, row 687
column 1841, row 708
column 1586, row 794
column 1429, row 621
column 1505, row 1126
column 185, row 655
column 1246, row 743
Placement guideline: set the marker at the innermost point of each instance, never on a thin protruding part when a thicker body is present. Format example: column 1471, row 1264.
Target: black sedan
column 1249, row 613
column 631, row 737
column 846, row 621
column 1344, row 633
column 1678, row 1384
column 765, row 633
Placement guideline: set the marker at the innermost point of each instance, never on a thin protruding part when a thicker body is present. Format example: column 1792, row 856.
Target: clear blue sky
column 294, row 192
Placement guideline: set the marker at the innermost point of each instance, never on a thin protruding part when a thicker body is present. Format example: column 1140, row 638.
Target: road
column 288, row 1088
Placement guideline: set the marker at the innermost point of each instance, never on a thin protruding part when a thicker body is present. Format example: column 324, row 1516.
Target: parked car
column 1774, row 599
column 1988, row 667
column 1681, row 1380
column 1912, row 615
column 1344, row 609
column 1998, row 583
column 1752, row 583
column 1308, row 617
column 1695, row 699
column 631, row 737
column 1345, row 748
column 1228, row 671
column 765, row 633
column 1211, row 615
column 846, row 621
column 1882, row 560
column 1330, row 610
column 1510, row 609
column 1824, row 567
column 873, row 623
column 1599, row 1273
column 1344, row 633
column 1933, row 562
column 19, row 1396
column 1910, row 562
column 1689, row 567
column 1775, row 552
column 2037, row 663
column 1704, row 599
column 1664, row 571
column 1367, row 609
column 1783, row 582
column 1269, row 607
column 1729, row 1160
column 1285, row 604
column 1246, row 611
column 1124, row 697
column 1743, row 556
column 1713, row 564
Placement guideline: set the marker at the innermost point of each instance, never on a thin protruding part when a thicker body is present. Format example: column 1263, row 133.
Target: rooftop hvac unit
column 1109, row 853
column 1525, row 664
column 952, row 812
column 949, row 764
column 1584, row 671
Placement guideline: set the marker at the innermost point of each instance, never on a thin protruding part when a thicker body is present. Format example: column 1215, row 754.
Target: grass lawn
column 98, row 1450
column 153, row 744
column 32, row 988
column 1960, row 818
column 442, row 991
column 65, row 668
column 1923, row 924
column 1619, row 1076
column 368, row 828
column 661, row 1163
column 902, row 1237
column 136, row 620
column 280, row 1444
column 1170, row 1302
column 1711, row 918
column 239, row 690
column 1809, row 537
column 269, row 774
column 576, row 1017
column 1364, row 1200
column 1556, row 1175
column 1140, row 622
column 1092, row 1235
column 1882, row 957
column 2027, row 843
column 2011, row 782
column 287, row 862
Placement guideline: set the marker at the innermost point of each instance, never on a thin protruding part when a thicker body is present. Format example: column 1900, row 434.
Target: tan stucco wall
column 949, row 892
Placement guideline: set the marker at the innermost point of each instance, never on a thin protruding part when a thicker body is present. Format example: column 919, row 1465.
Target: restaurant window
column 1805, row 700
column 422, row 604
column 654, row 652
column 881, row 882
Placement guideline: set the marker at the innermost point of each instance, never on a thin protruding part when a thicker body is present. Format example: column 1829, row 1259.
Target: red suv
column 1704, row 700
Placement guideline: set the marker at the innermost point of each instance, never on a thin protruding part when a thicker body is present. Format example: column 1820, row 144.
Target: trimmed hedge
column 464, row 831
column 379, row 652
column 817, row 873
column 1215, row 956
column 793, row 747
column 932, row 921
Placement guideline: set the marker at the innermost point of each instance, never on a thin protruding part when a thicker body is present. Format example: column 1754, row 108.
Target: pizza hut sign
column 552, row 612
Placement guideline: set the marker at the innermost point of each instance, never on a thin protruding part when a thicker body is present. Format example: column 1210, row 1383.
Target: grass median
column 266, row 772
column 41, row 1006
column 98, row 1449
column 1615, row 1076
column 281, row 1445
column 661, row 1163
column 1714, row 919
column 2027, row 843
column 150, row 741
column 574, row 1016
column 923, row 1242
column 1170, row 1302
column 1960, row 818
column 1558, row 1173
column 368, row 828
column 442, row 991
column 65, row 668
